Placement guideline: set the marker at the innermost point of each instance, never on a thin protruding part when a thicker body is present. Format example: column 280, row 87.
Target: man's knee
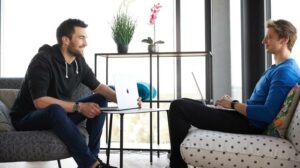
column 176, row 104
column 101, row 117
column 100, row 100
column 56, row 112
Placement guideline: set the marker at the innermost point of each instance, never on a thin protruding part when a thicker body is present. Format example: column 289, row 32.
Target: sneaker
column 104, row 165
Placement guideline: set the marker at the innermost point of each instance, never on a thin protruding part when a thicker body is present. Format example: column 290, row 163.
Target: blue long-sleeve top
column 270, row 92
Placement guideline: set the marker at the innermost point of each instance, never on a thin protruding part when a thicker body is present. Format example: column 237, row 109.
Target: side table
column 122, row 113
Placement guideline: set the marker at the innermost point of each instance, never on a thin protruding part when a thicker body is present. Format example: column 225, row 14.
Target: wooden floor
column 132, row 159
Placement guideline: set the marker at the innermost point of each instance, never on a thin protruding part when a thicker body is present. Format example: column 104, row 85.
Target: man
column 260, row 109
column 44, row 99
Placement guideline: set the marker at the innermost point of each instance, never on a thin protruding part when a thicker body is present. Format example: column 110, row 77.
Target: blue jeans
column 63, row 124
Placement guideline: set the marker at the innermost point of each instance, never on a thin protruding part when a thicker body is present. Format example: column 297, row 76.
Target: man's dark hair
column 66, row 28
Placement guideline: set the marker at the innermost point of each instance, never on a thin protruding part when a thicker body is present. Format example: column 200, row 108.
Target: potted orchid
column 152, row 44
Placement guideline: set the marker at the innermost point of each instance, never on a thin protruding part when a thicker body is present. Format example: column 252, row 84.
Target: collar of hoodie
column 67, row 72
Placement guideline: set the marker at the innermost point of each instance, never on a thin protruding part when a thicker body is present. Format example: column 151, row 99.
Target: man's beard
column 72, row 51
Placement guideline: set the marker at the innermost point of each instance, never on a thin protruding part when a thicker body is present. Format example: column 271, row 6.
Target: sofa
column 30, row 145
column 214, row 149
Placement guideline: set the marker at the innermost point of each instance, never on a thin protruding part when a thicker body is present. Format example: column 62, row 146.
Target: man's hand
column 89, row 109
column 225, row 101
column 139, row 102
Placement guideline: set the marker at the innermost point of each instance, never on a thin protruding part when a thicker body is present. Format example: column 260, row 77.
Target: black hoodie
column 48, row 74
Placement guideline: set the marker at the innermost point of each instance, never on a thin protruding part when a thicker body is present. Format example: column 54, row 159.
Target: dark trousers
column 186, row 112
column 55, row 118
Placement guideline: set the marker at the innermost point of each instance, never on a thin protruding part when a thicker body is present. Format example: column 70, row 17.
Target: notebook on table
column 202, row 99
column 126, row 92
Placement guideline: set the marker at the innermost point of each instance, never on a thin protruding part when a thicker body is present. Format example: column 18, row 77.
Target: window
column 286, row 10
column 192, row 39
column 26, row 25
column 236, row 54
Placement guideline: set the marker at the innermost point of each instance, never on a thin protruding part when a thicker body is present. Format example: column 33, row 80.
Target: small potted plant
column 152, row 47
column 122, row 31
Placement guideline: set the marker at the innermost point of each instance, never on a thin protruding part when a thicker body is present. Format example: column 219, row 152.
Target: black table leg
column 121, row 139
column 151, row 157
column 109, row 139
column 158, row 137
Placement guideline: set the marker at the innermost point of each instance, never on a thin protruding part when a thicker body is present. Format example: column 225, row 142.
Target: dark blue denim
column 64, row 126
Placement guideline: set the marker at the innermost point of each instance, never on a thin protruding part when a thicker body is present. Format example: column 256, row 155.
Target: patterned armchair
column 204, row 148
column 32, row 145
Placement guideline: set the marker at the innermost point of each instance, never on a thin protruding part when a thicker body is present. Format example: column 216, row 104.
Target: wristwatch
column 76, row 107
column 233, row 102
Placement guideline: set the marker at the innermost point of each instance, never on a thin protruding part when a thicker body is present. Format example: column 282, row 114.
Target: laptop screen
column 126, row 91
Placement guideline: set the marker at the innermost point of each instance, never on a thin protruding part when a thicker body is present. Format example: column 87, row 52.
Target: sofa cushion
column 80, row 92
column 281, row 122
column 5, row 122
column 8, row 96
column 293, row 133
column 204, row 148
column 11, row 83
column 33, row 146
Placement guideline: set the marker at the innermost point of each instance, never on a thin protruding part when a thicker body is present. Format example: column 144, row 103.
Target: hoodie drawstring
column 66, row 70
column 76, row 67
column 77, row 72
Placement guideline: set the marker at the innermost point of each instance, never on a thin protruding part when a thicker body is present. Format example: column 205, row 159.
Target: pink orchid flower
column 154, row 10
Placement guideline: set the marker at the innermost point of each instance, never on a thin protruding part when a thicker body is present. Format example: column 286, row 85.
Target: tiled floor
column 132, row 159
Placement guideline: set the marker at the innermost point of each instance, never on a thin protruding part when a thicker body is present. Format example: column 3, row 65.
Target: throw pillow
column 281, row 122
column 5, row 123
column 144, row 90
column 8, row 96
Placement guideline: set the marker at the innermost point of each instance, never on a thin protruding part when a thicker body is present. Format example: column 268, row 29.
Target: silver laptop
column 202, row 99
column 127, row 93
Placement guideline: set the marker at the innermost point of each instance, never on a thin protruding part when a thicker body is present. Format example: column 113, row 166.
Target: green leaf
column 159, row 42
column 148, row 40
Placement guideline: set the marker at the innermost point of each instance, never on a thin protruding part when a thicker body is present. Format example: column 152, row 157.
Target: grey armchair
column 34, row 145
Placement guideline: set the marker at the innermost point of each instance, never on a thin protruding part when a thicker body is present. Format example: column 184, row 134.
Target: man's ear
column 284, row 40
column 65, row 40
